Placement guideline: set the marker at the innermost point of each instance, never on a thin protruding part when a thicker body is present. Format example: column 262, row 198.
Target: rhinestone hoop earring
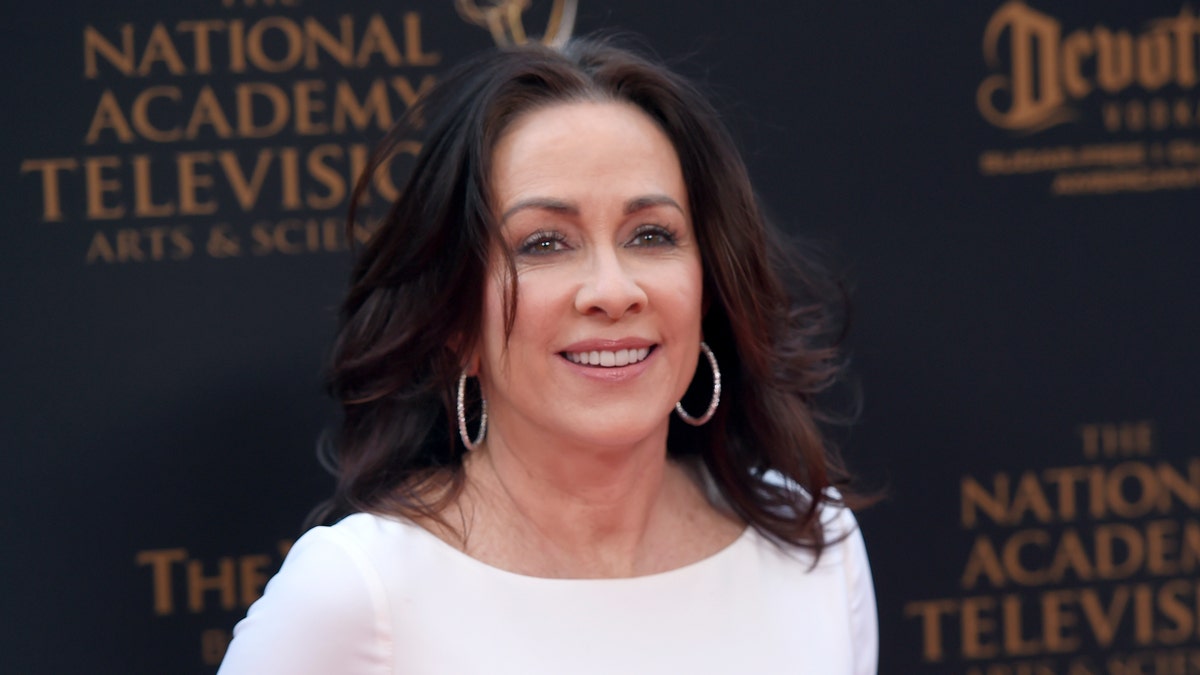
column 716, row 395
column 462, row 416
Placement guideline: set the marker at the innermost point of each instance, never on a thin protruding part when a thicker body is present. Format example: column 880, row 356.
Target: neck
column 585, row 510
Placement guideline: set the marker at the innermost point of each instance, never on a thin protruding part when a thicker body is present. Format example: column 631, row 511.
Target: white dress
column 375, row 595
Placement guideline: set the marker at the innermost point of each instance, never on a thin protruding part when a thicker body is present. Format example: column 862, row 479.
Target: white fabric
column 374, row 595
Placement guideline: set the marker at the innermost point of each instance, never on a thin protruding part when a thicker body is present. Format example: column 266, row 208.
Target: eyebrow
column 543, row 203
column 559, row 206
column 650, row 201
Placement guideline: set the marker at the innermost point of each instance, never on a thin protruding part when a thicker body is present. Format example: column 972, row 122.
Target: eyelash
column 535, row 244
column 665, row 236
column 532, row 243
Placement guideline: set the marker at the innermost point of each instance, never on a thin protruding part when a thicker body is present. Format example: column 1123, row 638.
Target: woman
column 542, row 479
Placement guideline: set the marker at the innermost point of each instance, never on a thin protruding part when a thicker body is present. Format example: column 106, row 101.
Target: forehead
column 584, row 151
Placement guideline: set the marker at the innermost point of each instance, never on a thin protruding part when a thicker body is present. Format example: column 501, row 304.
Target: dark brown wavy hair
column 415, row 305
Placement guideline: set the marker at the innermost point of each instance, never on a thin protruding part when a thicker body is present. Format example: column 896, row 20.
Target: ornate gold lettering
column 246, row 191
column 183, row 246
column 414, row 53
column 979, row 627
column 237, row 46
column 1015, row 643
column 1107, row 564
column 280, row 109
column 306, row 106
column 160, row 49
column 292, row 36
column 1030, row 497
column 202, row 46
column 49, row 169
column 108, row 115
column 1172, row 607
column 207, row 112
column 1070, row 556
column 408, row 95
column 377, row 39
column 1154, row 59
column 1114, row 59
column 1162, row 547
column 1104, row 621
column 1186, row 490
column 1011, row 555
column 100, row 249
column 1036, row 99
column 134, row 245
column 346, row 108
column 300, row 44
column 1147, row 490
column 140, row 114
column 931, row 613
column 1143, row 614
column 340, row 48
column 95, row 43
column 157, row 237
column 1189, row 554
column 222, row 582
column 121, row 58
column 327, row 176
column 222, row 243
column 192, row 181
column 143, row 192
column 983, row 561
column 1058, row 621
column 1185, row 28
column 97, row 186
column 289, row 165
column 1076, row 47
column 1065, row 479
column 160, row 562
column 1046, row 71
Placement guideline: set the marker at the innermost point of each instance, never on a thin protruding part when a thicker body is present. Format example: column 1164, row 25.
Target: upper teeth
column 621, row 357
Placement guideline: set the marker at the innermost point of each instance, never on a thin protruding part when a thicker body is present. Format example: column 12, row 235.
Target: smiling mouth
column 608, row 359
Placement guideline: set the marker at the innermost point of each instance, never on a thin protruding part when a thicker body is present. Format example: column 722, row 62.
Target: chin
column 622, row 433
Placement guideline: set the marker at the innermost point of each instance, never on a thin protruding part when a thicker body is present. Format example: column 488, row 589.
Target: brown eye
column 542, row 243
column 652, row 235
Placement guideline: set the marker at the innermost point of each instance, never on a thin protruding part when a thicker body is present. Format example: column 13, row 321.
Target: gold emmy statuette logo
column 504, row 19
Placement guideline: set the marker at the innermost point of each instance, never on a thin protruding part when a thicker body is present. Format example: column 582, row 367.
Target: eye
column 652, row 235
column 542, row 242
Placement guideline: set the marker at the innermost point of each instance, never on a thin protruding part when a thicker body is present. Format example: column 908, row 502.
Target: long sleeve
column 325, row 612
column 864, row 624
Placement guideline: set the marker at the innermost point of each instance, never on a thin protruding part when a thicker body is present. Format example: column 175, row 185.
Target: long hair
column 415, row 305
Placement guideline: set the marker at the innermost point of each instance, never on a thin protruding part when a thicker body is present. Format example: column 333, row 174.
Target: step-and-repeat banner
column 1011, row 189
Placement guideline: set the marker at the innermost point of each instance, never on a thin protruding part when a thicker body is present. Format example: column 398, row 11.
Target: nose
column 608, row 287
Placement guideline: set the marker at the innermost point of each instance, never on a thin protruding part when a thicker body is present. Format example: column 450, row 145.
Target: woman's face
column 594, row 211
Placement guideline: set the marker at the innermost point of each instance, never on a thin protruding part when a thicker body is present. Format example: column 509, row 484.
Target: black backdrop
column 1012, row 189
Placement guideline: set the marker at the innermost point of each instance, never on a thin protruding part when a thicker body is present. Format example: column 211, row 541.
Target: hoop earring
column 462, row 416
column 716, row 394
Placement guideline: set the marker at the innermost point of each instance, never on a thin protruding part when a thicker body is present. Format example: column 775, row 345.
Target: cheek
column 542, row 302
column 687, row 294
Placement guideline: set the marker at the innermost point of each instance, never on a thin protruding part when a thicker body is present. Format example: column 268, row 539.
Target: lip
column 612, row 373
column 599, row 345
